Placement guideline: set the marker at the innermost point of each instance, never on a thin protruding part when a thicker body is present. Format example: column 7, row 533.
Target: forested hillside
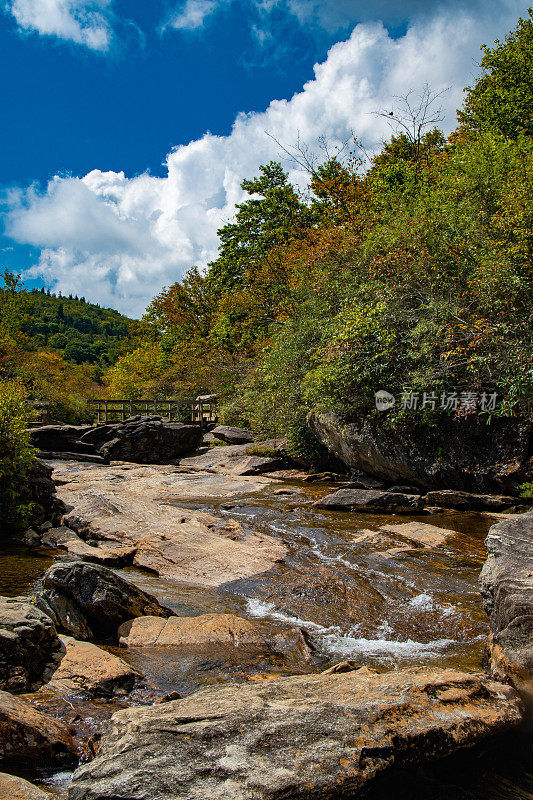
column 409, row 271
column 81, row 332
column 58, row 348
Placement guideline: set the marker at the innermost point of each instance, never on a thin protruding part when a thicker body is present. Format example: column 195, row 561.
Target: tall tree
column 268, row 220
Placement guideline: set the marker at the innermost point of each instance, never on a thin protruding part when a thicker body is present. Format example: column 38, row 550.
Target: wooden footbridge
column 200, row 411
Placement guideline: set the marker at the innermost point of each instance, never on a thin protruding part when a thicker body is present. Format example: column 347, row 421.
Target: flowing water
column 352, row 594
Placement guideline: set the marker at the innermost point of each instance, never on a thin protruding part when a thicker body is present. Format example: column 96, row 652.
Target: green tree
column 502, row 98
column 262, row 224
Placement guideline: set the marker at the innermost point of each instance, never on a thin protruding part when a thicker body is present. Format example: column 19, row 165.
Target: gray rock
column 371, row 500
column 101, row 597
column 465, row 501
column 239, row 459
column 31, row 538
column 233, row 435
column 65, row 614
column 28, row 644
column 465, row 453
column 61, row 438
column 150, row 441
column 507, row 590
column 404, row 489
column 310, row 736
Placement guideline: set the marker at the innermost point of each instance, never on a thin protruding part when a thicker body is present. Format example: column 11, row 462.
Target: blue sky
column 128, row 125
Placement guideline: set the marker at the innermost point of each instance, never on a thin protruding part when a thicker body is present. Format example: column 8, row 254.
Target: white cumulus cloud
column 118, row 240
column 85, row 22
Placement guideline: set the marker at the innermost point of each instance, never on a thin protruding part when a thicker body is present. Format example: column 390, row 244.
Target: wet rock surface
column 507, row 589
column 99, row 596
column 313, row 736
column 28, row 736
column 28, row 645
column 135, row 510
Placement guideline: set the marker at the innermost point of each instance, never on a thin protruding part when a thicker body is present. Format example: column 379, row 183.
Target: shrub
column 16, row 455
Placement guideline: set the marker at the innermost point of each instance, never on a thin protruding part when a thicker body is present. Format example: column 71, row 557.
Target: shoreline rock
column 29, row 736
column 322, row 736
column 29, row 645
column 90, row 671
column 14, row 788
column 464, row 454
column 215, row 634
column 507, row 591
column 373, row 500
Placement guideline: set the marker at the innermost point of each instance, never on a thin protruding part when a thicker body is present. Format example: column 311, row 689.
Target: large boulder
column 102, row 598
column 312, row 736
column 507, row 589
column 457, row 453
column 28, row 645
column 372, row 500
column 28, row 736
column 230, row 435
column 145, row 440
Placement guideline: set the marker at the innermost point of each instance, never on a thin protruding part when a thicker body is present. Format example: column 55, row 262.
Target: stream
column 353, row 599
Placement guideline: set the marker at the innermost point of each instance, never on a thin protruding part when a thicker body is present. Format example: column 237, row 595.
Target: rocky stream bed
column 262, row 641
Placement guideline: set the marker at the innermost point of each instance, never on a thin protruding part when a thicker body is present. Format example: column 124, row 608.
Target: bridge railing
column 179, row 410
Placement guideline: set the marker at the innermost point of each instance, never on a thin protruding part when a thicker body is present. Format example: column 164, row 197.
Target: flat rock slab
column 66, row 539
column 29, row 736
column 136, row 507
column 13, row 788
column 211, row 631
column 420, row 533
column 90, row 670
column 238, row 459
column 317, row 737
column 372, row 500
column 466, row 501
column 507, row 590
